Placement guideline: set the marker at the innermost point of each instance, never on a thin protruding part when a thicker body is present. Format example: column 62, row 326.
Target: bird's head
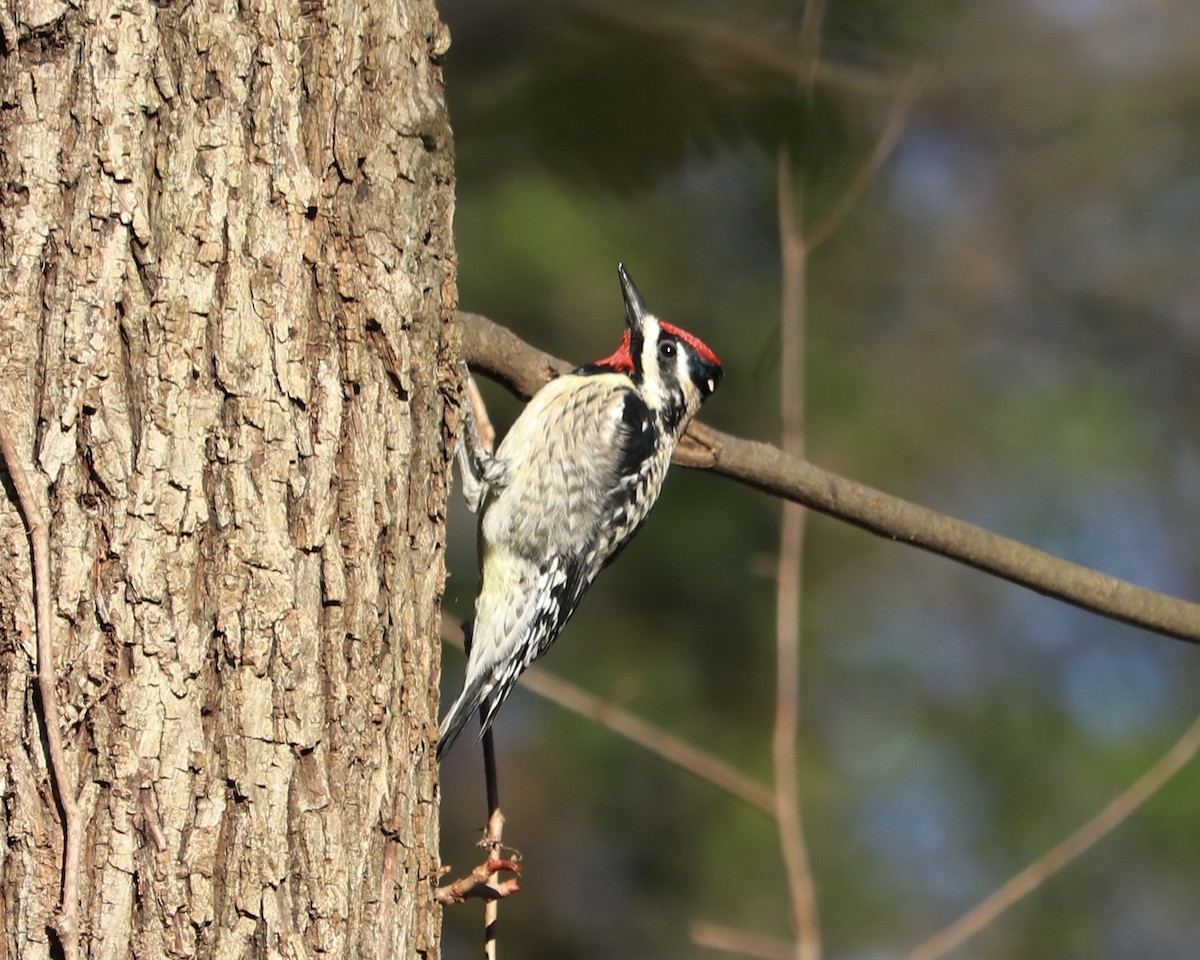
column 674, row 369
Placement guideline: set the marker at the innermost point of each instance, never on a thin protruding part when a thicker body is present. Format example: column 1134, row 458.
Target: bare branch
column 741, row 941
column 671, row 748
column 1062, row 854
column 498, row 353
column 504, row 357
column 67, row 922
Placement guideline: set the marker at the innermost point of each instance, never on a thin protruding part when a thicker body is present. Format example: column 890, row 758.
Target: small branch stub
column 482, row 883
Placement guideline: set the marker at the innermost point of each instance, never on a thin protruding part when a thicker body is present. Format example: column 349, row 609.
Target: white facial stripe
column 655, row 390
column 682, row 374
column 650, row 332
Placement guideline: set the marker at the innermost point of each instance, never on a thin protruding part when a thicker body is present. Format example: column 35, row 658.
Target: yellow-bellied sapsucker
column 569, row 486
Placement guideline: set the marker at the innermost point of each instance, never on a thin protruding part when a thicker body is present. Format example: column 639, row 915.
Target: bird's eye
column 666, row 349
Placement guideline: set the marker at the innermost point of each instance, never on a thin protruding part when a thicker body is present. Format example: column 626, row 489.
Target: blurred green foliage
column 1006, row 328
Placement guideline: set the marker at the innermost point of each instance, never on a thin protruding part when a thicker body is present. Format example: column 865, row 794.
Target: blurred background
column 1005, row 327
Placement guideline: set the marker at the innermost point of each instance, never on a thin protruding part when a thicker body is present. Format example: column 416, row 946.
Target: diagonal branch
column 669, row 747
column 908, row 94
column 717, row 46
column 731, row 940
column 503, row 356
column 1063, row 853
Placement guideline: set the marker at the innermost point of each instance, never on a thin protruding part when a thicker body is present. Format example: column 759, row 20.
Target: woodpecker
column 567, row 489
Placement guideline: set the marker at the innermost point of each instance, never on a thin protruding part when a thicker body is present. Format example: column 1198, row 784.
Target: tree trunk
column 226, row 358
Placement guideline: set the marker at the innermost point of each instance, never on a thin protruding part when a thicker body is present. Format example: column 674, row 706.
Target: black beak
column 635, row 306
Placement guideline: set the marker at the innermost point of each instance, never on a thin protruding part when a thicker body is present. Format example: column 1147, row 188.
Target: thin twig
column 484, row 881
column 742, row 941
column 809, row 59
column 1063, row 853
column 788, row 814
column 487, row 432
column 654, row 739
column 718, row 47
column 500, row 354
column 494, row 839
column 908, row 94
column 67, row 922
column 480, row 884
column 796, row 244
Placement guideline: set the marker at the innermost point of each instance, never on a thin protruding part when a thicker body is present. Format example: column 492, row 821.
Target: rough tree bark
column 226, row 357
